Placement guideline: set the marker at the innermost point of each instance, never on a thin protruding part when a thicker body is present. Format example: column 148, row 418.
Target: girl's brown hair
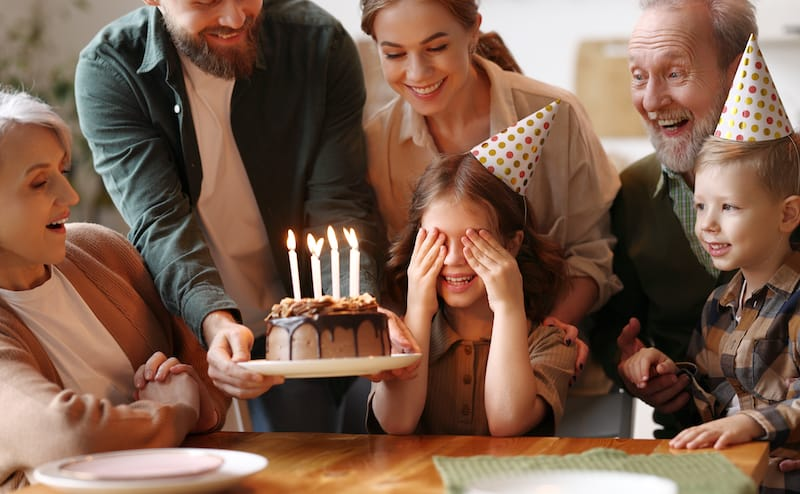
column 461, row 177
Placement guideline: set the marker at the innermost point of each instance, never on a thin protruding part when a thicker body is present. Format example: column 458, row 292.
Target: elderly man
column 217, row 126
column 683, row 55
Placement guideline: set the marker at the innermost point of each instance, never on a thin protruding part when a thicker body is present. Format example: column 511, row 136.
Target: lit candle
column 354, row 261
column 334, row 262
column 315, row 247
column 295, row 270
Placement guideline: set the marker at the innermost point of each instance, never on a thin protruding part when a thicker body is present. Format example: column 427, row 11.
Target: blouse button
column 467, row 379
column 176, row 108
column 468, row 350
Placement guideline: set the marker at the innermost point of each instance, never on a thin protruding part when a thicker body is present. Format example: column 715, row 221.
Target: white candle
column 354, row 261
column 316, row 270
column 334, row 262
column 293, row 267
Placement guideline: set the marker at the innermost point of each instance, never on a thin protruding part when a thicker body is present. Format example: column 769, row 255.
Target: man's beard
column 229, row 63
column 679, row 154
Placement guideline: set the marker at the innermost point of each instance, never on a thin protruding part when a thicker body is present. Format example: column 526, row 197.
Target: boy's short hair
column 776, row 162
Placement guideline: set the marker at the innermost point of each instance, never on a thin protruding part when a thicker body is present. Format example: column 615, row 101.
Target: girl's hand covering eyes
column 496, row 267
column 427, row 260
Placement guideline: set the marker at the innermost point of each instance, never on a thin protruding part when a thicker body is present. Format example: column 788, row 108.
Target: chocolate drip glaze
column 326, row 324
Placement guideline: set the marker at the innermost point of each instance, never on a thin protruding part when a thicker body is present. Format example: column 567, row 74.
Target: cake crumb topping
column 326, row 304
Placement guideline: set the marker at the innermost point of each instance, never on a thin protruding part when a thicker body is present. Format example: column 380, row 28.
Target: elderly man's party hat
column 512, row 154
column 753, row 110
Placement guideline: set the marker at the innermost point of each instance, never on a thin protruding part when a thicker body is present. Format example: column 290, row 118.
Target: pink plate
column 137, row 465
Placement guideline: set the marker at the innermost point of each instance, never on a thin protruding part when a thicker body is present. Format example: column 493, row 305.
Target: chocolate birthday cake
column 300, row 329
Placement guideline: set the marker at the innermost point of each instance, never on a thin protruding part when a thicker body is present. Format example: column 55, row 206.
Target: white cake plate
column 331, row 367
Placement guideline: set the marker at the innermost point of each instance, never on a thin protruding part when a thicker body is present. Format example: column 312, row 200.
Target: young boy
column 745, row 357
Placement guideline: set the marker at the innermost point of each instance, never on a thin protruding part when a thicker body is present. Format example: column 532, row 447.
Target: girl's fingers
column 427, row 251
column 486, row 249
column 472, row 259
column 421, row 235
column 434, row 252
column 485, row 242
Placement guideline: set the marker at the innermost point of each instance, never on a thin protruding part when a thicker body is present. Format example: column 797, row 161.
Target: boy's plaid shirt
column 756, row 359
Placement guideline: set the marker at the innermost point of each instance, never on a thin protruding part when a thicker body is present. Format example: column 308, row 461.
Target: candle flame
column 291, row 244
column 332, row 239
column 350, row 235
column 315, row 245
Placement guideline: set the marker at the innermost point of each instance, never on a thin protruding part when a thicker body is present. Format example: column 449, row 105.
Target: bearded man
column 683, row 55
column 217, row 126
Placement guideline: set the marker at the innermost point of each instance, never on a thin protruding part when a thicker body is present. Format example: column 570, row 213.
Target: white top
column 227, row 207
column 88, row 359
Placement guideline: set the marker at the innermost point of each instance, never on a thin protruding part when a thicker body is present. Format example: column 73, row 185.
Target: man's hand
column 628, row 341
column 663, row 389
column 231, row 343
column 652, row 377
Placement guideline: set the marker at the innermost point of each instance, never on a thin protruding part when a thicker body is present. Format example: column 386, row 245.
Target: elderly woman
column 84, row 337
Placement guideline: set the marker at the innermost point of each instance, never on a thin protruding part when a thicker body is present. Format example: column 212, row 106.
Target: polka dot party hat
column 753, row 110
column 513, row 153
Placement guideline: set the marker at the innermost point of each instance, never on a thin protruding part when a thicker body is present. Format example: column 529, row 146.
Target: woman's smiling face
column 424, row 52
column 35, row 198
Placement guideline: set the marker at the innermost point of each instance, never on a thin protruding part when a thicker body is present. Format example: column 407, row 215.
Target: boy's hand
column 665, row 393
column 645, row 364
column 496, row 267
column 663, row 389
column 719, row 433
column 426, row 263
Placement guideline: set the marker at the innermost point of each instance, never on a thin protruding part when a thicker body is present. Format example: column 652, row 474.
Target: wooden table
column 345, row 463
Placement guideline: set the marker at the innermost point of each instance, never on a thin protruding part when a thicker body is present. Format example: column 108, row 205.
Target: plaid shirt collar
column 783, row 283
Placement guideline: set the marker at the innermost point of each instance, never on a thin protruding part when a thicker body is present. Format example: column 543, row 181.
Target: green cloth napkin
column 700, row 473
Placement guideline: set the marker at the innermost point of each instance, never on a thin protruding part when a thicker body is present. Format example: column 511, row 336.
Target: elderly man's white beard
column 679, row 154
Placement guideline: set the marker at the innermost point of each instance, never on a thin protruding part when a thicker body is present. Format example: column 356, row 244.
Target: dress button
column 465, row 410
column 468, row 350
column 176, row 108
column 467, row 379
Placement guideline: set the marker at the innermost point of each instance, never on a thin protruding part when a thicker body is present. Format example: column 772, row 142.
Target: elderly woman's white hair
column 20, row 108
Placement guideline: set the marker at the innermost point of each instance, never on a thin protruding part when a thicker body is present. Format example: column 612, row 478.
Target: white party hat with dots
column 753, row 110
column 512, row 154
